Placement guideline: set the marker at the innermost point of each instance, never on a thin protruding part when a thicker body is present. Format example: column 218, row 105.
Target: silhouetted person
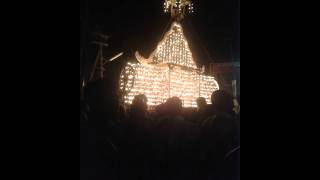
column 138, row 108
column 137, row 119
column 237, row 107
column 174, row 107
column 201, row 103
column 221, row 135
column 171, row 117
column 99, row 133
column 136, row 131
column 203, row 111
column 174, row 140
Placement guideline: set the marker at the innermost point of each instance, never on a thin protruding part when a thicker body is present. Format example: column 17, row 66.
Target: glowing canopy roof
column 173, row 48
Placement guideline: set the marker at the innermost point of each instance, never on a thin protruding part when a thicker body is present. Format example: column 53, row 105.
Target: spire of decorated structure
column 172, row 49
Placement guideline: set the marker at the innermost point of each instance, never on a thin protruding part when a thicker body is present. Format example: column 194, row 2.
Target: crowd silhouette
column 167, row 143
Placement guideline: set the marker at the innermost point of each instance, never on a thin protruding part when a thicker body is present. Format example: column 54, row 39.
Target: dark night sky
column 213, row 30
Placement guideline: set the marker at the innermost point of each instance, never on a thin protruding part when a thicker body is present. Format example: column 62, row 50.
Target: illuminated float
column 169, row 71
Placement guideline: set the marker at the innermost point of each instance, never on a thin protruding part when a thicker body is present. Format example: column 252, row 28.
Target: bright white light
column 116, row 56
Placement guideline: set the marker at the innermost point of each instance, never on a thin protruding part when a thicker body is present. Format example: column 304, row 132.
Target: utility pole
column 101, row 61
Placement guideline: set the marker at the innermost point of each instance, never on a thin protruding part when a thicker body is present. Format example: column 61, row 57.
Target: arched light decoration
column 169, row 71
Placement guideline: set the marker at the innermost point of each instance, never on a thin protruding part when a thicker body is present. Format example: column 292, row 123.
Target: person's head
column 222, row 101
column 160, row 109
column 201, row 102
column 174, row 106
column 139, row 103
